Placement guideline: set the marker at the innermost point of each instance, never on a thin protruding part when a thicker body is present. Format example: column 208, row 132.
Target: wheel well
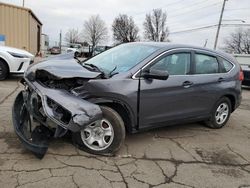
column 123, row 112
column 232, row 100
column 2, row 60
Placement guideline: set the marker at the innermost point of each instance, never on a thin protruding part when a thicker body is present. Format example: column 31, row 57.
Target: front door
column 167, row 100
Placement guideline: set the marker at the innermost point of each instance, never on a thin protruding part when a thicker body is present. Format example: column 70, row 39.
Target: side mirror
column 155, row 74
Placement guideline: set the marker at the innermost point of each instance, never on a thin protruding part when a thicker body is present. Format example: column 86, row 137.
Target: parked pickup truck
column 79, row 50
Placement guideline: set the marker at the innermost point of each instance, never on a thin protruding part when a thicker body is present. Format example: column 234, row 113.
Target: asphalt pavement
column 187, row 155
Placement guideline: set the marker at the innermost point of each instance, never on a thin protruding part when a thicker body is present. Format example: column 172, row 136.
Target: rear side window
column 205, row 64
column 227, row 66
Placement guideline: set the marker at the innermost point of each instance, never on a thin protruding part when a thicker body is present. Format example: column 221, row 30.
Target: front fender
column 112, row 100
column 80, row 112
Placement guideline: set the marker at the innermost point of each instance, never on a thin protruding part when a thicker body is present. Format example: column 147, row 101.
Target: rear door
column 208, row 81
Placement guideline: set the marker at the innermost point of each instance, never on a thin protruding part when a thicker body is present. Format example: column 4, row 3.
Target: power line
column 185, row 12
column 193, row 12
column 191, row 26
column 209, row 26
column 188, row 7
column 167, row 5
column 234, row 9
column 235, row 25
column 194, row 29
column 171, row 4
column 200, row 18
column 198, row 9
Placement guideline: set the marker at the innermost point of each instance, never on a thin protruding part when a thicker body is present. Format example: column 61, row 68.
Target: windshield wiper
column 94, row 67
column 78, row 60
column 112, row 73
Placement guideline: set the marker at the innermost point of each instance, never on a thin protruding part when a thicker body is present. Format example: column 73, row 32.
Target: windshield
column 122, row 58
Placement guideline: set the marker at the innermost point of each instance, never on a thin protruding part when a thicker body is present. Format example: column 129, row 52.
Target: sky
column 182, row 15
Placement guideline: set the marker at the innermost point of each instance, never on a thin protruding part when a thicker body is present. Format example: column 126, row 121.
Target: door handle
column 187, row 84
column 221, row 79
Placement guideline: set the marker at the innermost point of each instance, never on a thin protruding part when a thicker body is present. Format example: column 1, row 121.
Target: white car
column 76, row 48
column 13, row 60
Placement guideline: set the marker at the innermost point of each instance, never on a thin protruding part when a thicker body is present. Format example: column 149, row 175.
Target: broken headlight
column 60, row 114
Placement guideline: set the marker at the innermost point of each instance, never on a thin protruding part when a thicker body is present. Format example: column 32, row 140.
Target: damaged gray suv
column 129, row 88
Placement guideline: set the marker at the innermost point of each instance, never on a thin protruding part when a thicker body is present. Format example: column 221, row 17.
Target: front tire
column 104, row 136
column 220, row 114
column 4, row 71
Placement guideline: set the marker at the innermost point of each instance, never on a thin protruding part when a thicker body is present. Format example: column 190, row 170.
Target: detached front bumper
column 40, row 113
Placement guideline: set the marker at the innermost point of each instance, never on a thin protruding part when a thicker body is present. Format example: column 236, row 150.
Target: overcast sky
column 59, row 15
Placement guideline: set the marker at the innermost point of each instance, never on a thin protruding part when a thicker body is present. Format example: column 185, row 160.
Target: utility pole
column 23, row 2
column 219, row 25
column 205, row 44
column 60, row 41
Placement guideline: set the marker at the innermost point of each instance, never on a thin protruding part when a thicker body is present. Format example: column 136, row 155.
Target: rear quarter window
column 226, row 65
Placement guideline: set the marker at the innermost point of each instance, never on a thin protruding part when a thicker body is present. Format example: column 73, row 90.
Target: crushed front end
column 48, row 107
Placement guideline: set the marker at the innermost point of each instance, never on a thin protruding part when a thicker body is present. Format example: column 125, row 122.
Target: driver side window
column 175, row 64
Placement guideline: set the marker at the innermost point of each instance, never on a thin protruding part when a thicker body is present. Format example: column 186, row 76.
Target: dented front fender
column 81, row 112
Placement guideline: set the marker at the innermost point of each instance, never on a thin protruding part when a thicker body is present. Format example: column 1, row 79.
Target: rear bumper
column 238, row 101
column 41, row 113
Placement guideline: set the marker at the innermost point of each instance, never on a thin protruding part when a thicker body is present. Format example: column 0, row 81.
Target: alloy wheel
column 222, row 113
column 98, row 135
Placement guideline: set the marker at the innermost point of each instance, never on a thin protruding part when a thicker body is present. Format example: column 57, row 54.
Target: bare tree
column 94, row 31
column 238, row 42
column 72, row 36
column 155, row 26
column 124, row 29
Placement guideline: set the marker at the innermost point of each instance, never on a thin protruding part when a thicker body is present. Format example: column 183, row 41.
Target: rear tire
column 114, row 125
column 4, row 70
column 220, row 114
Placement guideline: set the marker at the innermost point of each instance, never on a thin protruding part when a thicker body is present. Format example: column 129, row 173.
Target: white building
column 44, row 44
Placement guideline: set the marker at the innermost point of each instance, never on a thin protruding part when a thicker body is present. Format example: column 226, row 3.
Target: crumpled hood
column 61, row 68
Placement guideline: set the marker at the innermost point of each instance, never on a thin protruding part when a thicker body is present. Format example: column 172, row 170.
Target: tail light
column 241, row 75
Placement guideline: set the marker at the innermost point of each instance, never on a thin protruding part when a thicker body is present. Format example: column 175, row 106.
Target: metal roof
column 23, row 8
